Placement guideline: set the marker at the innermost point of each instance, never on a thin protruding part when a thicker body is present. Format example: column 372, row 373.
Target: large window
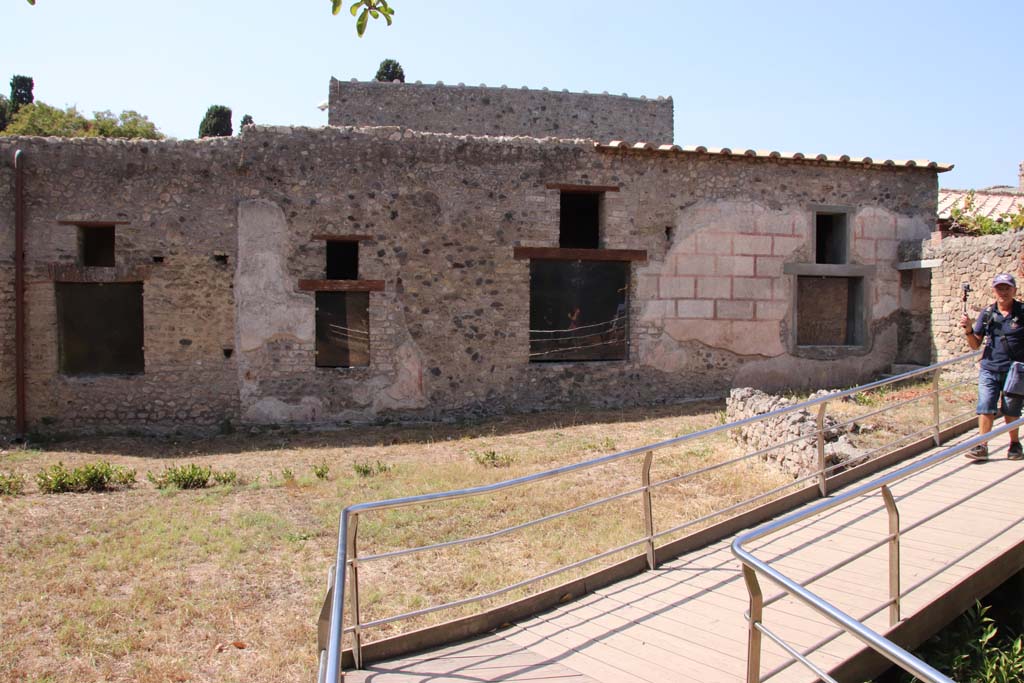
column 342, row 329
column 578, row 310
column 99, row 328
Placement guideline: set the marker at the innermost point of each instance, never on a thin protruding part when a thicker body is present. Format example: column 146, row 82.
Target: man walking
column 1002, row 324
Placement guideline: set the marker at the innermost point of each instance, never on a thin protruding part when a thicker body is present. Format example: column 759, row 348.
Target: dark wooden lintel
column 342, row 238
column 341, row 285
column 556, row 254
column 570, row 187
column 91, row 224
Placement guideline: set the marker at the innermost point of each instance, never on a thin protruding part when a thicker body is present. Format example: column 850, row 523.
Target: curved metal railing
column 348, row 561
column 753, row 567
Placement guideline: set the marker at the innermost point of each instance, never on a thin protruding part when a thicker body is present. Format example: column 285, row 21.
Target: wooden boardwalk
column 684, row 621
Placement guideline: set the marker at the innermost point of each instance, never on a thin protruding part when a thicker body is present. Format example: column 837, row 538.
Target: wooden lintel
column 91, row 223
column 341, row 238
column 556, row 254
column 341, row 285
column 571, row 187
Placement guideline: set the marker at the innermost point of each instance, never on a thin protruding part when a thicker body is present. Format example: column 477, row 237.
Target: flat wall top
column 482, row 110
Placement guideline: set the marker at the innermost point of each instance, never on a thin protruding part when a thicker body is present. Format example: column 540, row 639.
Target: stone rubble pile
column 799, row 458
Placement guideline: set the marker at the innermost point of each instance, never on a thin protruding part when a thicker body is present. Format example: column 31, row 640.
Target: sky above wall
column 892, row 80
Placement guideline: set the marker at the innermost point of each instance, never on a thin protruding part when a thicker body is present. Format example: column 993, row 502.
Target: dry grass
column 224, row 584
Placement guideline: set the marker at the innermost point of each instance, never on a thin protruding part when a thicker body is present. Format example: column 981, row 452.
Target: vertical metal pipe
column 19, row 292
column 333, row 673
column 935, row 406
column 357, row 640
column 894, row 555
column 822, row 477
column 648, row 508
column 753, row 633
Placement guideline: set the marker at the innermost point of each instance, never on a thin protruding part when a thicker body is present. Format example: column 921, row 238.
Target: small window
column 830, row 311
column 578, row 310
column 342, row 329
column 96, row 246
column 830, row 238
column 579, row 220
column 99, row 328
column 342, row 260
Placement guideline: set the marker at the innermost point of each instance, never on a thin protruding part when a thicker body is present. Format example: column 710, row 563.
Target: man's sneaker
column 1015, row 452
column 979, row 452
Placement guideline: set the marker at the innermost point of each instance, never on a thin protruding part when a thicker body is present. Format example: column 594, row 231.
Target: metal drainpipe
column 19, row 291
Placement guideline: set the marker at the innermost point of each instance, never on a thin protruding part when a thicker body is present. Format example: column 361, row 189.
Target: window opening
column 579, row 220
column 830, row 311
column 342, row 329
column 830, row 238
column 342, row 260
column 99, row 328
column 578, row 310
column 96, row 246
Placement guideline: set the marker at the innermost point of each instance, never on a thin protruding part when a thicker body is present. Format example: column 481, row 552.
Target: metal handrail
column 885, row 647
column 346, row 567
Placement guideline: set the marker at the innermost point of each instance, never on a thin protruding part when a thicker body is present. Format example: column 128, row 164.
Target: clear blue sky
column 937, row 80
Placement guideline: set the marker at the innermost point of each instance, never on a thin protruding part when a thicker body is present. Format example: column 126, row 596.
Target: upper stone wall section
column 467, row 110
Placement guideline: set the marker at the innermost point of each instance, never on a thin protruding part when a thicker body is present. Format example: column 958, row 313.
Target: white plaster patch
column 272, row 410
column 407, row 389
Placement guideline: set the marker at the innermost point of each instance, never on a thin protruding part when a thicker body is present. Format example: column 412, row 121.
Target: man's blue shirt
column 1006, row 342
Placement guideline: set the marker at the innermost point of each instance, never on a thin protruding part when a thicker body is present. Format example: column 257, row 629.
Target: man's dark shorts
column 990, row 384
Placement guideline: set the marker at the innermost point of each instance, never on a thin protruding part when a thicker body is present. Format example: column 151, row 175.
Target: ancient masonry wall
column 971, row 260
column 235, row 224
column 493, row 111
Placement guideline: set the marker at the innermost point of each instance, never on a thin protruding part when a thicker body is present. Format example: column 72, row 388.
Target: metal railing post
column 894, row 555
column 353, row 578
column 753, row 633
column 648, row 507
column 935, row 406
column 822, row 477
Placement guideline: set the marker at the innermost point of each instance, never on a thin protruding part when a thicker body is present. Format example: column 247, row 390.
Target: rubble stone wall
column 221, row 231
column 482, row 110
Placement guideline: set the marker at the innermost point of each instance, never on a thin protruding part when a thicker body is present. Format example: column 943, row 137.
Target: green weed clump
column 321, row 470
column 972, row 649
column 225, row 478
column 492, row 459
column 11, row 484
column 99, row 476
column 368, row 469
column 189, row 476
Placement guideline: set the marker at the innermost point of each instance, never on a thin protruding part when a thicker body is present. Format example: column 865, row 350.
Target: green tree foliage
column 362, row 10
column 389, row 71
column 40, row 118
column 216, row 123
column 21, row 93
column 966, row 218
column 3, row 112
column 246, row 121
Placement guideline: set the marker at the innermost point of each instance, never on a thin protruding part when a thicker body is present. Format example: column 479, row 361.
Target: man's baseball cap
column 1004, row 279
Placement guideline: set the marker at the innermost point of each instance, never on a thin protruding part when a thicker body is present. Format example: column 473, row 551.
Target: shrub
column 287, row 475
column 100, row 476
column 216, row 123
column 11, row 484
column 492, row 459
column 390, row 70
column 321, row 470
column 225, row 478
column 189, row 476
column 366, row 469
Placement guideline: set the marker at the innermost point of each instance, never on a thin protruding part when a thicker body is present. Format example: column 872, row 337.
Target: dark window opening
column 96, row 246
column 830, row 311
column 342, row 329
column 99, row 328
column 579, row 220
column 220, row 259
column 578, row 310
column 342, row 260
column 830, row 238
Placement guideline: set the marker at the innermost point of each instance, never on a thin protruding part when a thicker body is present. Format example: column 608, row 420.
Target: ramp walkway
column 957, row 536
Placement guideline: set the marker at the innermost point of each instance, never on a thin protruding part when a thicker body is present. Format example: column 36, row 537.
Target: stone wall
column 236, row 223
column 971, row 260
column 500, row 111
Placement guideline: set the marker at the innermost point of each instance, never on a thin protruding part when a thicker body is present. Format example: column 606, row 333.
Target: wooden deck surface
column 685, row 620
